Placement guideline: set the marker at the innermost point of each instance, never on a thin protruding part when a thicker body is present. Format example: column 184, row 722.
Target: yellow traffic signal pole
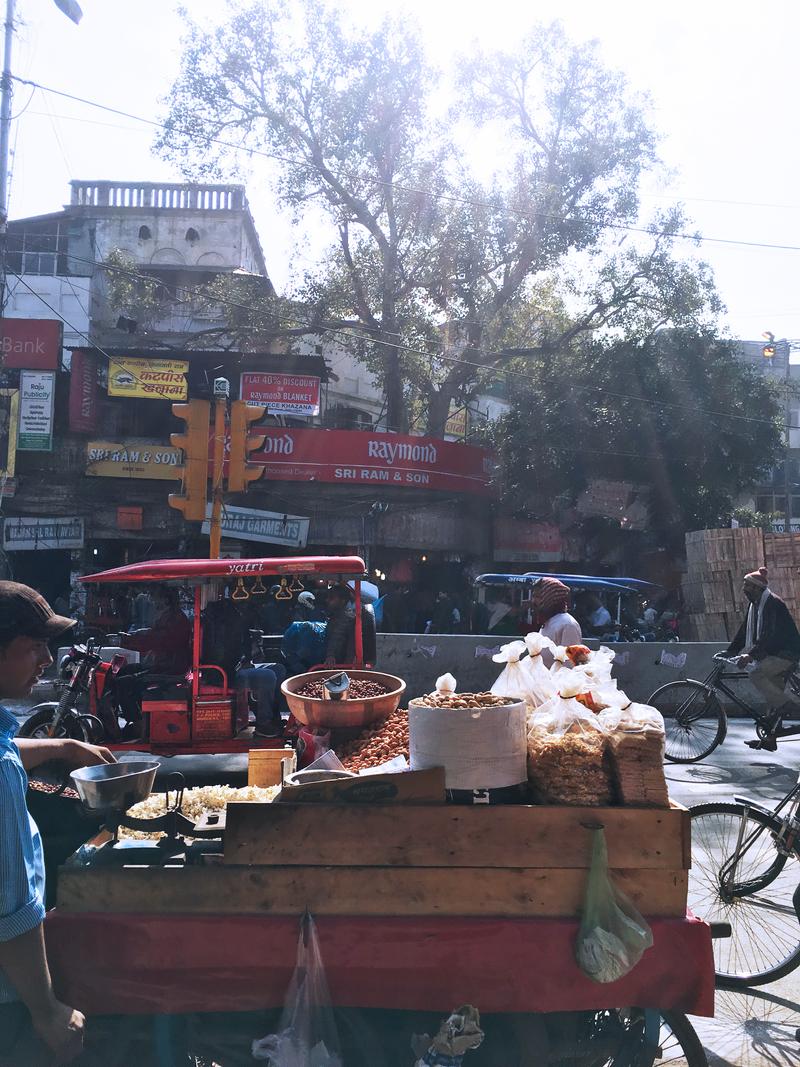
column 215, row 537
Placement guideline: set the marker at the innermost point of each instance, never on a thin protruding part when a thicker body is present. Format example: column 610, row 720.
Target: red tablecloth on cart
column 111, row 963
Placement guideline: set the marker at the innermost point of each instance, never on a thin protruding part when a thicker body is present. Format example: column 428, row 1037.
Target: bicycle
column 746, row 873
column 695, row 720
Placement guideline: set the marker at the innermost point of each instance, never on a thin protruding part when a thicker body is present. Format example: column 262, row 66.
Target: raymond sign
column 30, row 344
column 84, row 392
column 353, row 457
column 152, row 379
column 36, row 392
column 105, row 459
column 282, row 394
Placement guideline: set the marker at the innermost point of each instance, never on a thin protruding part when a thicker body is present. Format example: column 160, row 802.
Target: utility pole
column 5, row 140
column 769, row 351
column 222, row 390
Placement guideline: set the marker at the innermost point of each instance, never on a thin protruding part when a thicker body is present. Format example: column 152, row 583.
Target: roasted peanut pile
column 378, row 744
column 48, row 787
column 360, row 689
column 463, row 700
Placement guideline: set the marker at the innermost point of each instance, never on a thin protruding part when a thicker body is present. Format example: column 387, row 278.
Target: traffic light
column 240, row 472
column 194, row 472
column 768, row 350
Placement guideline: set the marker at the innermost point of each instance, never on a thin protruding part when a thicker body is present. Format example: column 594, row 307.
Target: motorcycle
column 88, row 708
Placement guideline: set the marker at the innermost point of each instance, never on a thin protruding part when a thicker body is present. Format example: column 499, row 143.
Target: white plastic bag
column 564, row 713
column 613, row 936
column 540, row 684
column 446, row 683
column 307, row 1035
column 512, row 681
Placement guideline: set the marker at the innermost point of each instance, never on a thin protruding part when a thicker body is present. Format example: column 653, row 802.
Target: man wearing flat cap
column 35, row 1027
column 768, row 643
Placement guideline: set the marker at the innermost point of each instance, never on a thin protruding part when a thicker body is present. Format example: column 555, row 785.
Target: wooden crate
column 782, row 550
column 513, row 860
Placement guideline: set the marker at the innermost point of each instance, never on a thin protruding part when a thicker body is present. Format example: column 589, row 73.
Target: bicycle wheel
column 693, row 719
column 765, row 930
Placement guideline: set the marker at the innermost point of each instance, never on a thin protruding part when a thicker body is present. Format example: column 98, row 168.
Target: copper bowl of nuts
column 372, row 697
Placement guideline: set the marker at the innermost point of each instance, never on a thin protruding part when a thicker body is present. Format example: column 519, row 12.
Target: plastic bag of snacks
column 613, row 936
column 512, row 681
column 540, row 684
column 561, row 661
column 446, row 683
column 567, row 750
column 636, row 754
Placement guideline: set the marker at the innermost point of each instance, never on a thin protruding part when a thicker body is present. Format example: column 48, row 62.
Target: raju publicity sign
column 354, row 457
column 152, row 379
column 36, row 394
column 30, row 344
column 282, row 394
column 272, row 527
column 141, row 459
column 27, row 534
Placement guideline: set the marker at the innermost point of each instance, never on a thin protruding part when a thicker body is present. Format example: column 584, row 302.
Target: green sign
column 36, row 393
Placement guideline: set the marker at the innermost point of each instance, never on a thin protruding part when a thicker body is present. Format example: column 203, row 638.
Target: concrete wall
column 640, row 667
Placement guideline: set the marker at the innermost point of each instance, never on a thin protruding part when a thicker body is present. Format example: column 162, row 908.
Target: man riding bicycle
column 769, row 640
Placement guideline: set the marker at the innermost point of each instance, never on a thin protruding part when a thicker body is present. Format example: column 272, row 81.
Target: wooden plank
column 357, row 891
column 452, row 836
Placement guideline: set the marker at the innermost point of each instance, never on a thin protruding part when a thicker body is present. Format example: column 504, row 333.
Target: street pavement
column 753, row 1029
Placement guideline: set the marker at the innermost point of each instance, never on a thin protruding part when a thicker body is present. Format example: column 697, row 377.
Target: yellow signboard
column 153, row 379
column 9, row 420
column 105, row 459
column 457, row 422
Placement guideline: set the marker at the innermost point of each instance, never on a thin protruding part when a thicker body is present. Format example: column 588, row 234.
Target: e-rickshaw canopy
column 197, row 570
column 574, row 581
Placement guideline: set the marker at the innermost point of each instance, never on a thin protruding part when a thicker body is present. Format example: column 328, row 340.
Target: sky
column 721, row 77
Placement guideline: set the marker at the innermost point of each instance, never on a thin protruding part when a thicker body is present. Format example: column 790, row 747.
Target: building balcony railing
column 159, row 195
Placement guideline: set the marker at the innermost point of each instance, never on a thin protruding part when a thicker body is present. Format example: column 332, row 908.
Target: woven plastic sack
column 613, row 936
column 512, row 681
column 307, row 1035
column 540, row 684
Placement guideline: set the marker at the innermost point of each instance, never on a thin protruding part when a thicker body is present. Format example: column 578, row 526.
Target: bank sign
column 27, row 534
column 291, row 531
column 353, row 457
column 30, row 344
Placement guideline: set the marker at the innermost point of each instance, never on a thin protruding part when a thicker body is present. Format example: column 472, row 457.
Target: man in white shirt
column 551, row 599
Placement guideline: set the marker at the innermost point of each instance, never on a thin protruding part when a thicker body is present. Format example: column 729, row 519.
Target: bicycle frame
column 786, row 842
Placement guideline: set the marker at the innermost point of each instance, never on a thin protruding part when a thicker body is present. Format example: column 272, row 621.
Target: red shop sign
column 31, row 344
column 520, row 541
column 84, row 392
column 283, row 394
column 353, row 457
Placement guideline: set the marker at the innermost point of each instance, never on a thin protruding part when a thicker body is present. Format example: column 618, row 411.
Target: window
column 192, row 236
column 144, row 233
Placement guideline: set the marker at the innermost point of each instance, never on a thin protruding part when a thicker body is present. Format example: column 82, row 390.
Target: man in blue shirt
column 35, row 1027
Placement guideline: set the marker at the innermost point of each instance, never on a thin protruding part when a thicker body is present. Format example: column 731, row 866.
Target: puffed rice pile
column 196, row 802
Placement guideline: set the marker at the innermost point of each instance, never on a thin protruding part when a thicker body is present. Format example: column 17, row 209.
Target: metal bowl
column 343, row 714
column 115, row 786
column 315, row 777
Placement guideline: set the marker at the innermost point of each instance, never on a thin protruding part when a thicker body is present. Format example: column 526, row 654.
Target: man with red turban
column 551, row 600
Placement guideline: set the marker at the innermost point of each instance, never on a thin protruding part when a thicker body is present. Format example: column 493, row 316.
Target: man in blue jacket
column 35, row 1027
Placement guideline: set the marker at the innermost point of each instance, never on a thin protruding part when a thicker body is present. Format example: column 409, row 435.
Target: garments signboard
column 282, row 394
column 26, row 534
column 37, row 390
column 152, row 379
column 246, row 524
column 520, row 541
column 354, row 457
column 30, row 344
column 109, row 459
column 84, row 392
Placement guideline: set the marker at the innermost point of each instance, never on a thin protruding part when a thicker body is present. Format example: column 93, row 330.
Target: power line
column 449, row 197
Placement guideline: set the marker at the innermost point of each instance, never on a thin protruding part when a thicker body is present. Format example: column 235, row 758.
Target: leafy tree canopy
column 678, row 415
column 440, row 277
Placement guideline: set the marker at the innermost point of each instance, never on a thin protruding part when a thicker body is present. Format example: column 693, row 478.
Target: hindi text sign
column 151, row 379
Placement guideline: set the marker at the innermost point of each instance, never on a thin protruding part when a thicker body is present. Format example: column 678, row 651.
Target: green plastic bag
column 613, row 935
